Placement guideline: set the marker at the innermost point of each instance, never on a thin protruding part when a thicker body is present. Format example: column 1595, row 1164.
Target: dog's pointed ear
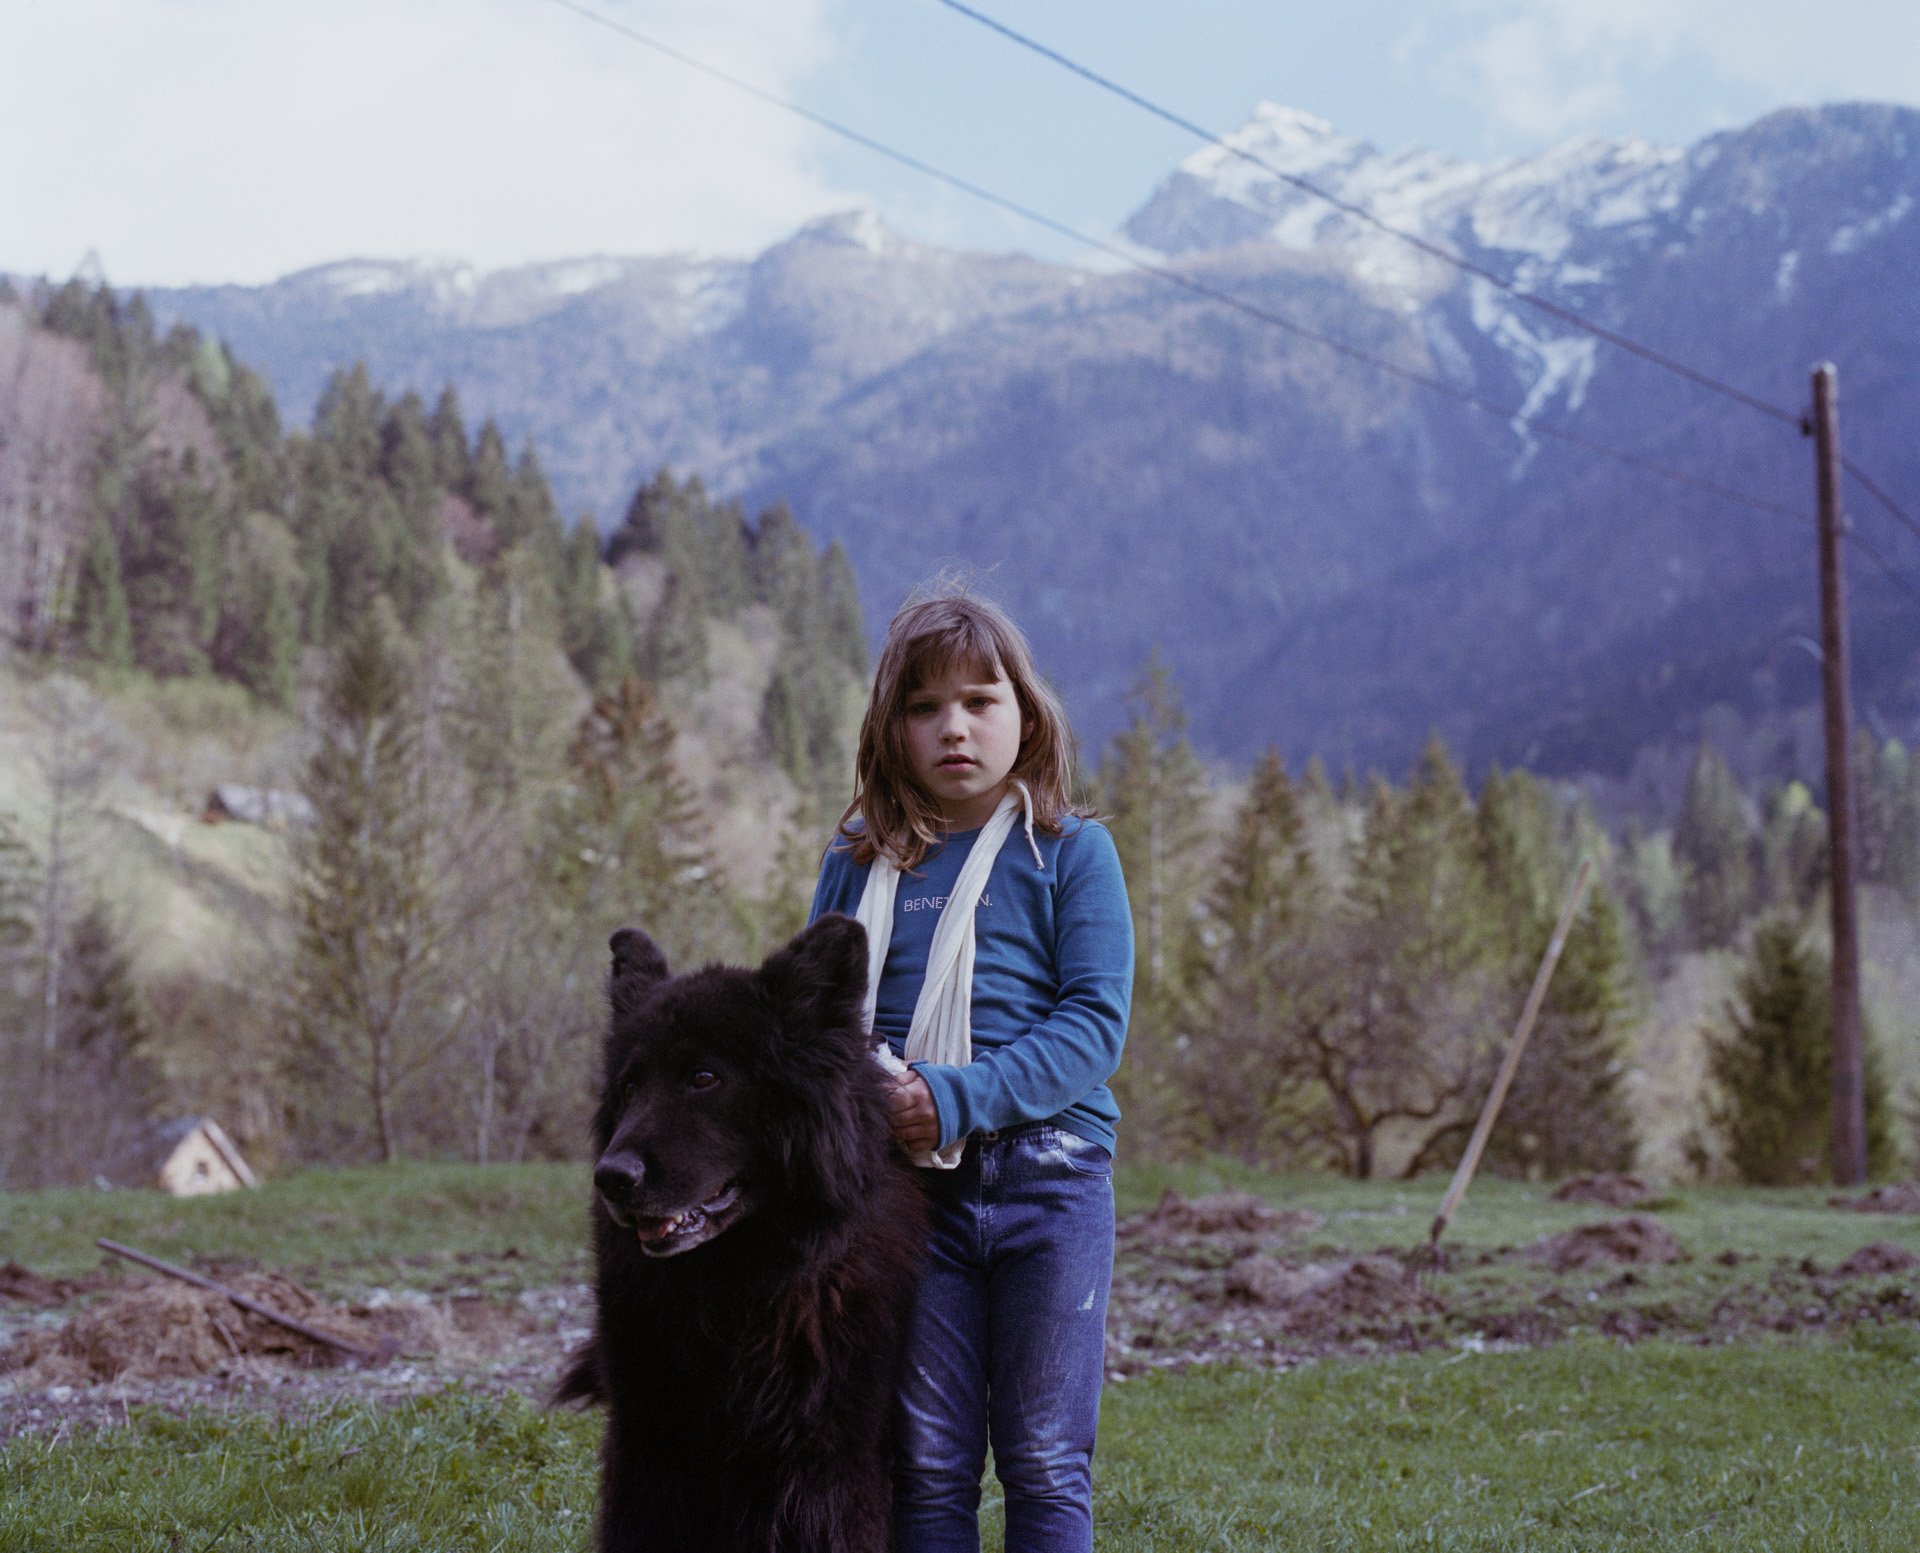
column 637, row 962
column 820, row 979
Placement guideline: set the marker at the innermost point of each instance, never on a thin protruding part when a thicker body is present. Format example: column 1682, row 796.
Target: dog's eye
column 703, row 1080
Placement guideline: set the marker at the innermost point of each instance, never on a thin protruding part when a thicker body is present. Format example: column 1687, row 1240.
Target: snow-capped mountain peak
column 1250, row 189
column 860, row 227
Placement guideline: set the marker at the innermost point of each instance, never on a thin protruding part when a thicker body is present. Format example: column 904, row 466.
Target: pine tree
column 1515, row 824
column 1770, row 1067
column 1887, row 782
column 273, row 671
column 675, row 644
column 783, row 727
column 782, row 908
column 490, row 480
column 107, row 1064
column 1793, row 849
column 1568, row 1109
column 1655, row 888
column 1423, row 969
column 452, row 460
column 100, row 624
column 349, row 529
column 596, row 628
column 171, row 565
column 1903, row 845
column 1151, row 788
column 1713, row 843
column 258, row 639
column 787, row 573
column 410, row 470
column 775, row 536
column 348, row 419
column 632, row 842
column 1421, row 877
column 640, row 529
column 532, row 519
column 722, row 559
column 843, row 624
column 513, row 697
column 1251, row 970
column 364, row 893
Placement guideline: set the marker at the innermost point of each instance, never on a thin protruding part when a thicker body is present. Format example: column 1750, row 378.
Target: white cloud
column 1549, row 66
column 239, row 139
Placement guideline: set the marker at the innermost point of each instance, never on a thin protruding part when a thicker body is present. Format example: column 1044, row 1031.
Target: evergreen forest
column 334, row 754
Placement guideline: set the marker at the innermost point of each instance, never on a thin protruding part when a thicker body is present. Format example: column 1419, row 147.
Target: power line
column 1360, row 212
column 1874, row 489
column 1431, row 249
column 1175, row 277
column 1873, row 554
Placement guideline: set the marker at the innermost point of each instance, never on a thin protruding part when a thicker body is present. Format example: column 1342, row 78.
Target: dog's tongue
column 654, row 1229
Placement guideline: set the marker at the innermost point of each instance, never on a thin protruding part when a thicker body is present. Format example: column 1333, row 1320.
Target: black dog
column 757, row 1238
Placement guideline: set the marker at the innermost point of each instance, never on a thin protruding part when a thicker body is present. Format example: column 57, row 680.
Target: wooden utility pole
column 1849, row 1084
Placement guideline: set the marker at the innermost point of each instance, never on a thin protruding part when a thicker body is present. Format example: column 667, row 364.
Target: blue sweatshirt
column 1052, row 977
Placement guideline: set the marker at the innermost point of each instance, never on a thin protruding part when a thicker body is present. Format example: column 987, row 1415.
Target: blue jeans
column 1007, row 1345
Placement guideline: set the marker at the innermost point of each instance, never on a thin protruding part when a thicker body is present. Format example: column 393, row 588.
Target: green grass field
column 1585, row 1446
column 340, row 1232
column 1811, row 1442
column 418, row 1225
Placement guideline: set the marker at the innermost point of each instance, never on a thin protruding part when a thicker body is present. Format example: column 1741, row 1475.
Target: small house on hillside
column 191, row 1157
column 266, row 806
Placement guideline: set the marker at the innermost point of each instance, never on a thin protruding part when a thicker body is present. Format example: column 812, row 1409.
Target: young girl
column 1001, row 966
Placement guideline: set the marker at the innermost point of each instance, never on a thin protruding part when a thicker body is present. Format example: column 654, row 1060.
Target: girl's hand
column 916, row 1124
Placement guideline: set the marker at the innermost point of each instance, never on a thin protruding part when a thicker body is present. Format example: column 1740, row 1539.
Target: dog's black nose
column 618, row 1179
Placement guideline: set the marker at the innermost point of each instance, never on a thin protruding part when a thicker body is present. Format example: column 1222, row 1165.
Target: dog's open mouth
column 690, row 1226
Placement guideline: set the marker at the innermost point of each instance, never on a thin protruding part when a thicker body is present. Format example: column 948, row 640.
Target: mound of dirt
column 1221, row 1213
column 1896, row 1197
column 24, row 1284
column 1329, row 1294
column 1608, row 1190
column 463, row 1330
column 1637, row 1239
column 1882, row 1256
column 165, row 1330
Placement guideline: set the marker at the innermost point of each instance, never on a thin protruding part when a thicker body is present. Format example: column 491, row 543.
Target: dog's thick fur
column 757, row 1238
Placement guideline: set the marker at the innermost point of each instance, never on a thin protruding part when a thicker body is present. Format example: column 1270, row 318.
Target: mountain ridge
column 1333, row 561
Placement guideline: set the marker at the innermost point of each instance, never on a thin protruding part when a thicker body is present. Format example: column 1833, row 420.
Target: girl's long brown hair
column 929, row 635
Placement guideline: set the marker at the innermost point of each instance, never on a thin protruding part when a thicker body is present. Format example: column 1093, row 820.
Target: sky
column 199, row 141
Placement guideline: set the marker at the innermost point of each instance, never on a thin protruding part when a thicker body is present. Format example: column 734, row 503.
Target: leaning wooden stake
column 1503, row 1081
column 291, row 1323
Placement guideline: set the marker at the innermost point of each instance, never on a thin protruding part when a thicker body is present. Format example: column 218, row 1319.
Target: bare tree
column 71, row 753
column 52, row 407
column 73, row 1029
column 1396, row 1056
column 1351, row 1024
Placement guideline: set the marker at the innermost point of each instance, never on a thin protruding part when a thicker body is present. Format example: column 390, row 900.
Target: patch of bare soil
column 1608, row 1190
column 163, row 1342
column 24, row 1284
column 1870, row 1261
column 1209, row 1279
column 1896, row 1197
column 1322, row 1296
column 1221, row 1213
column 164, row 1330
column 1637, row 1240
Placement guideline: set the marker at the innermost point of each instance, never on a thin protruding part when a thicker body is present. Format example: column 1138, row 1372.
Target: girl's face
column 964, row 732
